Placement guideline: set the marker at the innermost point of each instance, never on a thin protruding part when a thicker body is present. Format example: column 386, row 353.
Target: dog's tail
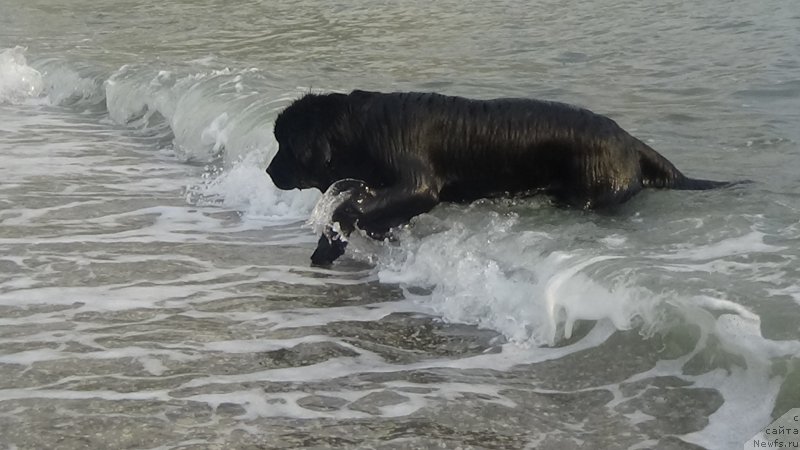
column 658, row 172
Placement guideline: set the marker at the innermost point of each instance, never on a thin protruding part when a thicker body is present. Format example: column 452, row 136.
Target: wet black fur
column 414, row 150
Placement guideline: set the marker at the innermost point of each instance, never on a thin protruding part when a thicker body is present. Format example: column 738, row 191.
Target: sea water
column 155, row 286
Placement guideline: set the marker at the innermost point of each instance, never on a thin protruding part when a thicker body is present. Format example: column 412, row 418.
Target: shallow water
column 155, row 288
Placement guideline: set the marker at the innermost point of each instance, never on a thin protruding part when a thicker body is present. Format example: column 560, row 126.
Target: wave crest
column 18, row 80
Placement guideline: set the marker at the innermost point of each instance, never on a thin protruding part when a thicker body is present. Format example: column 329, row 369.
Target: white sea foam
column 18, row 80
column 739, row 332
column 246, row 187
column 215, row 115
column 488, row 272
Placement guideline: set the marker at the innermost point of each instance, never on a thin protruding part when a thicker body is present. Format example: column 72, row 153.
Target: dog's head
column 304, row 131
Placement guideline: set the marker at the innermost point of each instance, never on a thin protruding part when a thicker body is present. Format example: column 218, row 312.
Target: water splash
column 18, row 80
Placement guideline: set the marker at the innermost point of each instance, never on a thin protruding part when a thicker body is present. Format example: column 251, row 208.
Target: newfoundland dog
column 410, row 151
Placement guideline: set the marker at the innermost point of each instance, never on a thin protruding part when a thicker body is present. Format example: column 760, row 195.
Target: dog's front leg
column 333, row 239
column 376, row 214
column 329, row 248
column 393, row 207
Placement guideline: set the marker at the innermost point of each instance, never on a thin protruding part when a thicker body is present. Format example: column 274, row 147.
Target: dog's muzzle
column 280, row 179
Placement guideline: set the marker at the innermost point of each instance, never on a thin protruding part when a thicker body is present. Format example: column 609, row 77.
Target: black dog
column 413, row 150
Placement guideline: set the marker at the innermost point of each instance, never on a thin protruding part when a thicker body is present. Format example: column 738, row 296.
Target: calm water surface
column 155, row 288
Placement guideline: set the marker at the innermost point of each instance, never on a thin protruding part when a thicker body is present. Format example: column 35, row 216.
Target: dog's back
column 482, row 148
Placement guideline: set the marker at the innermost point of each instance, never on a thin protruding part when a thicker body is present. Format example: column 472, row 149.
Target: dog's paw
column 328, row 250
